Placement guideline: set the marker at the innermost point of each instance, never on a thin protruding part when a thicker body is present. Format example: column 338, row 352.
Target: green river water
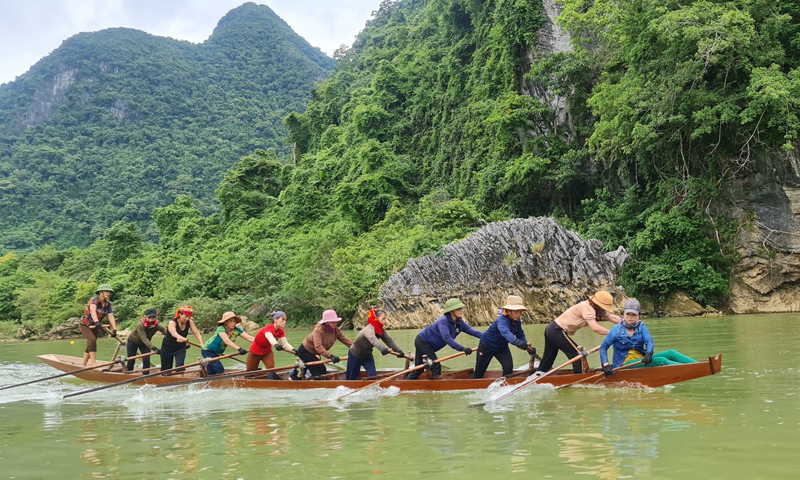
column 742, row 423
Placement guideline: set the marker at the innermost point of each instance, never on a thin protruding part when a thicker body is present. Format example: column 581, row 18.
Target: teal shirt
column 215, row 343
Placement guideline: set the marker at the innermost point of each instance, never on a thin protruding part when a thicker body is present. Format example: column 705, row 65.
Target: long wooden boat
column 456, row 380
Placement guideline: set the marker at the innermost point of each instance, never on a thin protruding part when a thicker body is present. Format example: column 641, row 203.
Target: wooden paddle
column 594, row 377
column 418, row 367
column 76, row 371
column 407, row 356
column 142, row 377
column 110, row 333
column 526, row 383
column 201, row 347
column 224, row 376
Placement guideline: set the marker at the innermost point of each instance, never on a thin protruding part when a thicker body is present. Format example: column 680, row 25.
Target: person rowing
column 440, row 333
column 98, row 309
column 632, row 342
column 269, row 337
column 223, row 337
column 319, row 343
column 505, row 331
column 558, row 334
column 176, row 340
column 360, row 353
column 139, row 340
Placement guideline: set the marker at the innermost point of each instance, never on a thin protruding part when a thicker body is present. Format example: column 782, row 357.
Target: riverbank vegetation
column 422, row 134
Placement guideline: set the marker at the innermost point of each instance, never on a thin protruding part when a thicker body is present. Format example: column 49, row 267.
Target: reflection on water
column 741, row 423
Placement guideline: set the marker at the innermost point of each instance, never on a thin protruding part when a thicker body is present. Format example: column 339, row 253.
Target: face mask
column 631, row 326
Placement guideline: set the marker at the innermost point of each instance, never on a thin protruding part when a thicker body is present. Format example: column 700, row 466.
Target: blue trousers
column 215, row 367
column 354, row 366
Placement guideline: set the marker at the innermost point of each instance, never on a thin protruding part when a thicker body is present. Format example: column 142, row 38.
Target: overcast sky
column 30, row 29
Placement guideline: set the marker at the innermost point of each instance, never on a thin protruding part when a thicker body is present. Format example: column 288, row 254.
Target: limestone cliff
column 766, row 199
column 549, row 266
column 552, row 39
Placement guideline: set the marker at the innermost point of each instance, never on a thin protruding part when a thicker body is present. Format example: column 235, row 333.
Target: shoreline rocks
column 550, row 267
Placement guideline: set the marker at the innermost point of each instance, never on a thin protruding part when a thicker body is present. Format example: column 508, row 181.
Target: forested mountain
column 115, row 123
column 424, row 132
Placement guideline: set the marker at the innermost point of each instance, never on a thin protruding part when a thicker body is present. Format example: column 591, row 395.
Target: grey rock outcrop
column 552, row 39
column 47, row 99
column 68, row 329
column 766, row 199
column 551, row 267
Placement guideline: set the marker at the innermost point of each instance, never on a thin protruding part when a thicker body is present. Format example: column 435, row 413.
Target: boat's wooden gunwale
column 642, row 377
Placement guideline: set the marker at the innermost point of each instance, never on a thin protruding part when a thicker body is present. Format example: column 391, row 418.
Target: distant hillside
column 115, row 123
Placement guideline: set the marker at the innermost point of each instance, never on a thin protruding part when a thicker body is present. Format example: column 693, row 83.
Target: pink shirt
column 576, row 317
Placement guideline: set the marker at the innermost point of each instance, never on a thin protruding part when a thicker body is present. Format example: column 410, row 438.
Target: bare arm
column 93, row 313
column 112, row 321
column 247, row 337
column 596, row 327
column 174, row 332
column 612, row 318
column 227, row 340
column 196, row 332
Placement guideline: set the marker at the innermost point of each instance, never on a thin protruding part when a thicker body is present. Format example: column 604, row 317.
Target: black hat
column 151, row 312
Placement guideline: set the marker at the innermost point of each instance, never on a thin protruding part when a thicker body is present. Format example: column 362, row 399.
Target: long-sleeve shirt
column 622, row 342
column 142, row 335
column 502, row 332
column 321, row 340
column 444, row 331
column 367, row 338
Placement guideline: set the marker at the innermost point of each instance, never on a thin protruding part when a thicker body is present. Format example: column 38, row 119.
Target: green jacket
column 142, row 336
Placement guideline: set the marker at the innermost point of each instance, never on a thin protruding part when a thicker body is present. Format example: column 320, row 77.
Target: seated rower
column 265, row 340
column 507, row 329
column 223, row 337
column 440, row 333
column 632, row 341
column 360, row 353
column 320, row 341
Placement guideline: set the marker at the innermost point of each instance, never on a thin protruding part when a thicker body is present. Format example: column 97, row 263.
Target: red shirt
column 261, row 345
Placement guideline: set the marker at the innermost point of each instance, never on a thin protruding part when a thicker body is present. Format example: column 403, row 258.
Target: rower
column 267, row 339
column 91, row 323
column 632, row 341
column 360, row 353
column 440, row 333
column 139, row 340
column 224, row 335
column 507, row 329
column 558, row 334
column 319, row 343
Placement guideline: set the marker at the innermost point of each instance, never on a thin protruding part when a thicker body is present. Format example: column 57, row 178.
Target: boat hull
column 460, row 380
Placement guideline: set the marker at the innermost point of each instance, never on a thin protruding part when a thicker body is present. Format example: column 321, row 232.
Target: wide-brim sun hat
column 453, row 304
column 603, row 300
column 227, row 316
column 104, row 287
column 329, row 316
column 514, row 302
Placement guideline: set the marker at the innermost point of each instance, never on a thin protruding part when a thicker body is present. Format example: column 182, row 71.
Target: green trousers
column 668, row 357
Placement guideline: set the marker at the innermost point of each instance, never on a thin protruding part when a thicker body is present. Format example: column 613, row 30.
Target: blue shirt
column 502, row 332
column 444, row 331
column 622, row 342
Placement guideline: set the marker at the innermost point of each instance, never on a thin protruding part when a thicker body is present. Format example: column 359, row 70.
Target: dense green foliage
column 422, row 133
column 115, row 123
